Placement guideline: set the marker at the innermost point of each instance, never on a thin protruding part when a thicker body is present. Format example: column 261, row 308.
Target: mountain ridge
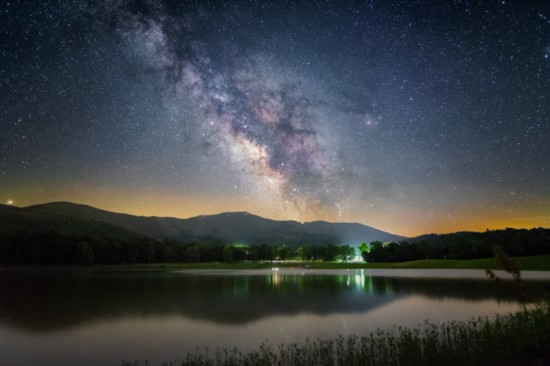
column 238, row 226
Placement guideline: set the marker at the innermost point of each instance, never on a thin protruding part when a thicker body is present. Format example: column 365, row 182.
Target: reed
column 520, row 338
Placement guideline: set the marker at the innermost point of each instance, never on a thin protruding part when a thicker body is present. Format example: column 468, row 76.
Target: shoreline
column 540, row 263
column 401, row 273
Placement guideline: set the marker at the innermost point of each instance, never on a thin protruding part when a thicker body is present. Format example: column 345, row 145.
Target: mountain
column 40, row 219
column 235, row 227
column 7, row 208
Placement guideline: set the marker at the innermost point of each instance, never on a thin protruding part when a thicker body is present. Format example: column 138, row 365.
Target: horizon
column 274, row 219
column 410, row 119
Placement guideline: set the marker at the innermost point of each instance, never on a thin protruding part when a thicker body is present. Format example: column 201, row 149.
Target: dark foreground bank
column 521, row 338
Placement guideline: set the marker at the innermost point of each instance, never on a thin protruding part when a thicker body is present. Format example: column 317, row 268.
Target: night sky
column 409, row 116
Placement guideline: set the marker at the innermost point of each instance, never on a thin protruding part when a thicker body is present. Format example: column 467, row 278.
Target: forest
column 462, row 245
column 54, row 248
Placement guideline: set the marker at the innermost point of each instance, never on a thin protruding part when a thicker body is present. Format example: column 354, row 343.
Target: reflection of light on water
column 275, row 276
column 360, row 282
column 357, row 279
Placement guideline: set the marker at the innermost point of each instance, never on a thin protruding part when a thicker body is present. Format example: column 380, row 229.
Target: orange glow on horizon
column 408, row 222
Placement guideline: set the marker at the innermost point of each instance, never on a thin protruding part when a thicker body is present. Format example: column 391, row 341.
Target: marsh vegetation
column 520, row 338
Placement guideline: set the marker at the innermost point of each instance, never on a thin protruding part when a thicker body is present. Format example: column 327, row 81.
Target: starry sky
column 409, row 116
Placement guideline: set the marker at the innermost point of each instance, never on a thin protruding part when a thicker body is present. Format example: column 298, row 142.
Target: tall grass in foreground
column 521, row 338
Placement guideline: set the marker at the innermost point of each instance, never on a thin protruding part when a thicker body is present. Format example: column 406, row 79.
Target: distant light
column 10, row 202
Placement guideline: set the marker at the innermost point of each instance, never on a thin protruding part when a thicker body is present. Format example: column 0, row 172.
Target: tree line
column 463, row 245
column 54, row 248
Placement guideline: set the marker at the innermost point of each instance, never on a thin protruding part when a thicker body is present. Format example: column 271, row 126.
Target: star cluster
column 409, row 116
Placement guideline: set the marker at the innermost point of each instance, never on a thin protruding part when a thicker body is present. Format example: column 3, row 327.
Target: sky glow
column 411, row 117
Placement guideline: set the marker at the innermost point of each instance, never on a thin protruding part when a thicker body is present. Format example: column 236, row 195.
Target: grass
column 520, row 338
column 532, row 263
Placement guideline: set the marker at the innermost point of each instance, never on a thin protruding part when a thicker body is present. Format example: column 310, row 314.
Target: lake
column 103, row 316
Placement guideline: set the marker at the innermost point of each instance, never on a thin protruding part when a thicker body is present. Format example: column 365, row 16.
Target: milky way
column 408, row 116
column 266, row 126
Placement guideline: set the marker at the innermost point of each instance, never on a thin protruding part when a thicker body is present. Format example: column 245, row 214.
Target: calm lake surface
column 100, row 317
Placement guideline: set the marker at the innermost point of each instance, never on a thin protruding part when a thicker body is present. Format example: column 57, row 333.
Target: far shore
column 380, row 272
column 525, row 264
column 531, row 263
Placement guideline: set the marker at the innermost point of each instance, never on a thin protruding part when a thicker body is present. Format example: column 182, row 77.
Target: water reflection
column 51, row 300
column 99, row 317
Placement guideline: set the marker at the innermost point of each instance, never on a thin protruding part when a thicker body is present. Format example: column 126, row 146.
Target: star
column 305, row 114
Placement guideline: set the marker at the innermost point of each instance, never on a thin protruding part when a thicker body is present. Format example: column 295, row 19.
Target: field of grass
column 532, row 263
column 514, row 339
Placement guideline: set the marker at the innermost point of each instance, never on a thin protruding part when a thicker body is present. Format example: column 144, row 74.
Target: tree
column 376, row 252
column 306, row 252
column 148, row 251
column 84, row 255
column 346, row 253
column 193, row 253
column 227, row 253
column 364, row 249
column 283, row 252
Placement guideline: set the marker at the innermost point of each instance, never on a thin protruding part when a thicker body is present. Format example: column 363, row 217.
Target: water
column 100, row 317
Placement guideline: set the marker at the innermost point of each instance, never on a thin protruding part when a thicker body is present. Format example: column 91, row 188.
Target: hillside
column 13, row 219
column 236, row 227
